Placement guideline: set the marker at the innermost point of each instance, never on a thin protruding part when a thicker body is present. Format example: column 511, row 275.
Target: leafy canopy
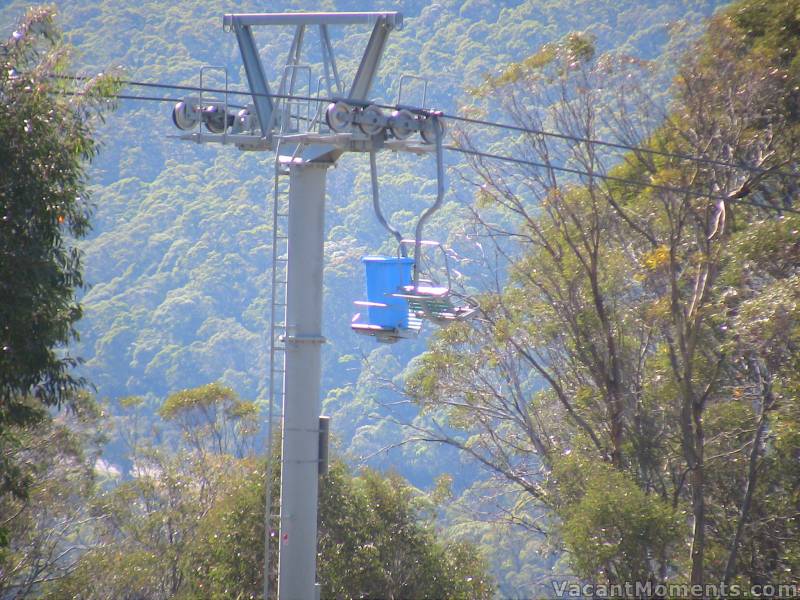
column 44, row 205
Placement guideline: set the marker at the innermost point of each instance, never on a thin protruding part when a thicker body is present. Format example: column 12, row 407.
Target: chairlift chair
column 384, row 315
column 430, row 297
column 401, row 291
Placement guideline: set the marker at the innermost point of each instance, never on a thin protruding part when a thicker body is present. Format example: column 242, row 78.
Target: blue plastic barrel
column 385, row 275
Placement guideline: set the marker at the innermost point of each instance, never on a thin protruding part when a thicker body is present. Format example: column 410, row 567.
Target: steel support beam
column 393, row 19
column 301, row 403
column 255, row 76
column 371, row 59
column 329, row 60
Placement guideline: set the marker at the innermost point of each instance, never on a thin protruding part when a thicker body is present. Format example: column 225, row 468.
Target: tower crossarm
column 392, row 19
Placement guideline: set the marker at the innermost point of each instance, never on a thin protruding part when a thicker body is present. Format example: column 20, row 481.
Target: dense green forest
column 632, row 372
column 178, row 255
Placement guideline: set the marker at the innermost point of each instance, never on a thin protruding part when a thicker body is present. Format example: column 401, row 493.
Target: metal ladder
column 277, row 348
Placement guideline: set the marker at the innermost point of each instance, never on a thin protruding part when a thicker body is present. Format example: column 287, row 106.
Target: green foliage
column 200, row 398
column 189, row 524
column 55, row 458
column 228, row 559
column 568, row 53
column 772, row 30
column 651, row 332
column 213, row 414
column 178, row 263
column 44, row 206
column 610, row 527
column 373, row 546
column 46, row 146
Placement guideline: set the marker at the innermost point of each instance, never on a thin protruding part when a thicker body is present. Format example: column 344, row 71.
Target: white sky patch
column 105, row 468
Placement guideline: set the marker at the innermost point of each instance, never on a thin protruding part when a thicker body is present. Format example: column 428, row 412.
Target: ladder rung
column 283, row 214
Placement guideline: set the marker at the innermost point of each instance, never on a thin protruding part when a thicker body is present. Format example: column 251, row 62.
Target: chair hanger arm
column 439, row 198
column 376, row 204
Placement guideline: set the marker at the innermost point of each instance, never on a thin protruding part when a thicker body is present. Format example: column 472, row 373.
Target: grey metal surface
column 393, row 19
column 292, row 60
column 277, row 349
column 330, row 61
column 436, row 205
column 365, row 75
column 376, row 204
column 324, row 443
column 302, row 400
column 255, row 75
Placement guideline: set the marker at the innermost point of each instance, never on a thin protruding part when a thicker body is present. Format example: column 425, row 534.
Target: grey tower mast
column 308, row 135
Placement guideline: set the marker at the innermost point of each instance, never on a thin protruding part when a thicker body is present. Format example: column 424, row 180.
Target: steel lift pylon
column 308, row 133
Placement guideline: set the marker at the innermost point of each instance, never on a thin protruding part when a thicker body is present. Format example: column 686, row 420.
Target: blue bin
column 385, row 275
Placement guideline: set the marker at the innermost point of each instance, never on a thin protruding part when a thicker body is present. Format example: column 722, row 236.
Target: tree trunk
column 767, row 399
column 698, row 501
column 698, row 532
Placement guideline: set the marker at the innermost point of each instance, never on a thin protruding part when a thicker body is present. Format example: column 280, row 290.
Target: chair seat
column 423, row 290
column 434, row 303
column 387, row 335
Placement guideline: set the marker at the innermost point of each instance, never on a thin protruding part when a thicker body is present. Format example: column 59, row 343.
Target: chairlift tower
column 308, row 133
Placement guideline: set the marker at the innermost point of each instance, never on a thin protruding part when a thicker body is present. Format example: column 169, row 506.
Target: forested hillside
column 177, row 260
column 602, row 366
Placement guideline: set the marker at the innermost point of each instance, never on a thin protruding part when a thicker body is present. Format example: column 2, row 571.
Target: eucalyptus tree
column 617, row 340
column 46, row 128
column 188, row 521
column 49, row 530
